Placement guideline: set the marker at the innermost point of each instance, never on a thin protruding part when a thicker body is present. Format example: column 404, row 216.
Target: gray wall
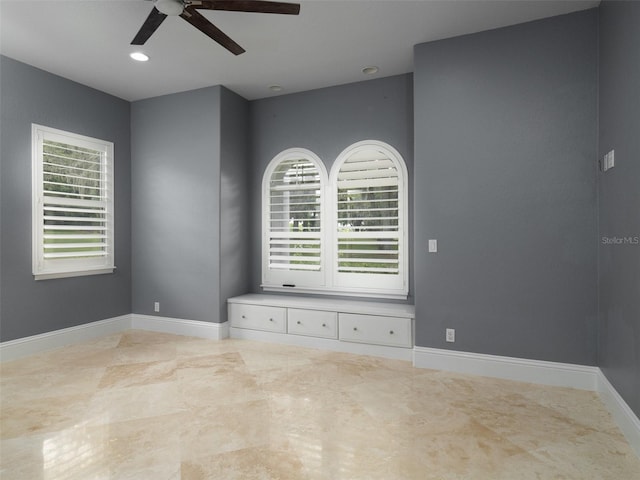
column 175, row 179
column 326, row 121
column 505, row 145
column 619, row 199
column 27, row 307
column 235, row 234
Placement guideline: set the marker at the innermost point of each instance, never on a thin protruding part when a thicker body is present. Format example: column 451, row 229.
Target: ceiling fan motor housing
column 169, row 7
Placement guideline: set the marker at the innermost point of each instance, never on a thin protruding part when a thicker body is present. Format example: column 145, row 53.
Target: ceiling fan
column 188, row 9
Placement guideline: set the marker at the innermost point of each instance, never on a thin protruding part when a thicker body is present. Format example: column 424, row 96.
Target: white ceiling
column 327, row 44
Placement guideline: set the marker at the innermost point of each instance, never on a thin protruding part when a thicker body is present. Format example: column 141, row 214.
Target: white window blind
column 294, row 228
column 369, row 180
column 347, row 235
column 368, row 215
column 73, row 204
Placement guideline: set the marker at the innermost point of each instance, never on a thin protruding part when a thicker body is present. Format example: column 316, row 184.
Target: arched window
column 369, row 220
column 346, row 234
column 293, row 220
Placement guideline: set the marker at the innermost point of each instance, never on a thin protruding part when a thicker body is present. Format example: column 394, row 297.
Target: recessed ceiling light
column 139, row 56
column 275, row 88
column 370, row 70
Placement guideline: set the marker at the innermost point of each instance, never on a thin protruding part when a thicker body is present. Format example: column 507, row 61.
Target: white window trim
column 401, row 291
column 334, row 291
column 329, row 207
column 60, row 268
column 299, row 280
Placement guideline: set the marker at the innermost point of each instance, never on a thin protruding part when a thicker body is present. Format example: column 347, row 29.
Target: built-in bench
column 384, row 329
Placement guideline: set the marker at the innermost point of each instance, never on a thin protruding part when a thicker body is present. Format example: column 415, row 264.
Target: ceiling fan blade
column 149, row 26
column 256, row 6
column 205, row 26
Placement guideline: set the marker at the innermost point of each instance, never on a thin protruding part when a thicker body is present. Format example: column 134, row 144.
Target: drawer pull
column 243, row 316
column 355, row 329
column 271, row 319
column 324, row 324
column 390, row 332
column 298, row 322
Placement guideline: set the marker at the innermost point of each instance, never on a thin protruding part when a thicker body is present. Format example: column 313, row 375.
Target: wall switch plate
column 156, row 306
column 608, row 161
column 433, row 245
column 450, row 335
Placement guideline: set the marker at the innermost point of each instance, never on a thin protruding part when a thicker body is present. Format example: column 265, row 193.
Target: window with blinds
column 73, row 204
column 346, row 235
column 294, row 219
column 368, row 215
column 370, row 218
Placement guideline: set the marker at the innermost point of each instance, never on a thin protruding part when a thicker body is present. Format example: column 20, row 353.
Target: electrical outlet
column 156, row 306
column 450, row 335
column 433, row 245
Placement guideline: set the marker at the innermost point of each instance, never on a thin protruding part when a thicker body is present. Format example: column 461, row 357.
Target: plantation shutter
column 370, row 220
column 295, row 219
column 367, row 213
column 365, row 204
column 74, row 205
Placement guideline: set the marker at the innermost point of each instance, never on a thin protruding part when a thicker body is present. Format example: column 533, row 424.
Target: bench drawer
column 378, row 330
column 314, row 323
column 258, row 317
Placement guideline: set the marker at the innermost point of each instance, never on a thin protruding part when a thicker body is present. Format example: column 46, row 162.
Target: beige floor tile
column 245, row 464
column 136, row 374
column 145, row 405
column 134, row 402
column 46, row 414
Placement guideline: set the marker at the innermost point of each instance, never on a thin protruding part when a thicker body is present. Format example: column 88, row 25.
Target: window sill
column 78, row 273
column 343, row 292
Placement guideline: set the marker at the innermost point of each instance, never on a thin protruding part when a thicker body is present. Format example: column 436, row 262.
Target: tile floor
column 142, row 405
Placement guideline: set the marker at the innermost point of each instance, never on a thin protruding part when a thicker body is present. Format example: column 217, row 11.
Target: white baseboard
column 540, row 372
column 178, row 326
column 396, row 353
column 22, row 347
column 523, row 370
column 626, row 420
